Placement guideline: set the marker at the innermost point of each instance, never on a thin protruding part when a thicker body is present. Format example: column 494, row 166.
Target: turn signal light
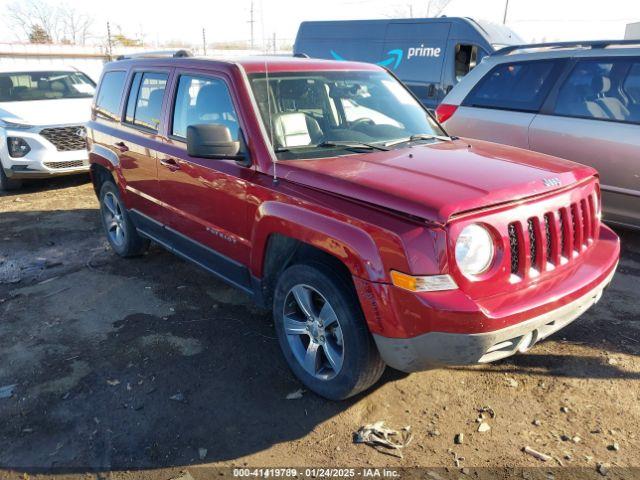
column 445, row 111
column 427, row 283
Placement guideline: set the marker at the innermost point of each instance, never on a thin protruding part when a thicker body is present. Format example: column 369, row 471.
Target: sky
column 162, row 21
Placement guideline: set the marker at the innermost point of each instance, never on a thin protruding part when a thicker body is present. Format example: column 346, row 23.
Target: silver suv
column 579, row 101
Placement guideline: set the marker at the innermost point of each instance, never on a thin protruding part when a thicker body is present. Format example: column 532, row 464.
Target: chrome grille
column 66, row 139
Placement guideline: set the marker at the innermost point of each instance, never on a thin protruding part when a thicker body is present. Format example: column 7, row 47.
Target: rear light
column 445, row 111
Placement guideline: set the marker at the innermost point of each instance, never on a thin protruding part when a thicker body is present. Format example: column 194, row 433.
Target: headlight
column 18, row 147
column 474, row 250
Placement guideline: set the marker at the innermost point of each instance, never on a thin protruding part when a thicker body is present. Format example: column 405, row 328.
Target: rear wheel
column 322, row 332
column 121, row 233
column 7, row 183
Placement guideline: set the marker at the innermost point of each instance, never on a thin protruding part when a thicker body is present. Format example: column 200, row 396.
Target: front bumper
column 435, row 349
column 43, row 160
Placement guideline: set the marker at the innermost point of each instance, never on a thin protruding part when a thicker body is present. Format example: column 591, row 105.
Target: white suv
column 43, row 110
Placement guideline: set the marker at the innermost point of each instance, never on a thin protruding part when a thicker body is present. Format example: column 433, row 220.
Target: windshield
column 24, row 86
column 309, row 114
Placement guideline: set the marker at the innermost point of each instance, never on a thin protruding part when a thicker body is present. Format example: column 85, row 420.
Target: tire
column 121, row 233
column 7, row 183
column 330, row 350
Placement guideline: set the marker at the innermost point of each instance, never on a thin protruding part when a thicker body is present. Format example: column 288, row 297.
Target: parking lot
column 151, row 363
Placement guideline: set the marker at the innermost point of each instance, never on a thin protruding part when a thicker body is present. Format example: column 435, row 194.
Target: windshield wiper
column 348, row 145
column 420, row 136
column 352, row 144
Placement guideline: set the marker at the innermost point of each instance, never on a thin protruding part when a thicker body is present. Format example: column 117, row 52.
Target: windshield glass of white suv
column 313, row 114
column 25, row 86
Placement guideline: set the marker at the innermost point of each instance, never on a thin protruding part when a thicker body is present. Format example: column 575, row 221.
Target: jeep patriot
column 328, row 193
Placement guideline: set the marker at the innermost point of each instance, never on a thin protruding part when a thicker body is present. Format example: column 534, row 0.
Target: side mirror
column 213, row 141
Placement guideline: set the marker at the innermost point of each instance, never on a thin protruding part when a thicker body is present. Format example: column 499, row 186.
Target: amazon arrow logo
column 392, row 61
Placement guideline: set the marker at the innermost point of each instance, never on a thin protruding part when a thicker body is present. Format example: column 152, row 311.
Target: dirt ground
column 152, row 366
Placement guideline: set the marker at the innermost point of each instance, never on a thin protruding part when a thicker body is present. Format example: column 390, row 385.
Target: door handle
column 170, row 163
column 122, row 146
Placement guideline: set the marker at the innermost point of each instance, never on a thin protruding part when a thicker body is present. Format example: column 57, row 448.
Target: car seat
column 150, row 114
column 612, row 106
column 295, row 129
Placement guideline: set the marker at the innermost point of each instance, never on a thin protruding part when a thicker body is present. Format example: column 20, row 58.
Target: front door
column 204, row 202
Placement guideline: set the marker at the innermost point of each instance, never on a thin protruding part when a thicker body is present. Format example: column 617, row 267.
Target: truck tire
column 121, row 233
column 322, row 331
column 7, row 183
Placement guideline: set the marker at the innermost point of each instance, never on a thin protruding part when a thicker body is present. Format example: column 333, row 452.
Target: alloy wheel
column 114, row 219
column 313, row 332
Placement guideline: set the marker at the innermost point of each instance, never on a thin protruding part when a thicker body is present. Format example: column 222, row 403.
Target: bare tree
column 29, row 15
column 436, row 7
column 76, row 25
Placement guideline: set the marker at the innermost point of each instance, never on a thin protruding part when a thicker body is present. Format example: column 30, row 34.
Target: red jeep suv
column 325, row 191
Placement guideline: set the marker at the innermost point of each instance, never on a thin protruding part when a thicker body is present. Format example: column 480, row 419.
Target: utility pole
column 410, row 11
column 506, row 7
column 274, row 43
column 109, row 42
column 204, row 43
column 251, row 22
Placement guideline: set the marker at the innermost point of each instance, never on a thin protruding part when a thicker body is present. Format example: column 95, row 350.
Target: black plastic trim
column 223, row 267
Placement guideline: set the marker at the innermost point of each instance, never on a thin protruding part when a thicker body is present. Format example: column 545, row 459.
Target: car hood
column 439, row 180
column 47, row 112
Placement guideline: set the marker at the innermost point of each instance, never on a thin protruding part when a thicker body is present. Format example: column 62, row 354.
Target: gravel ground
column 150, row 366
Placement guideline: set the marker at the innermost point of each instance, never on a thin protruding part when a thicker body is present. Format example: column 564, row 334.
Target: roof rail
column 592, row 44
column 157, row 54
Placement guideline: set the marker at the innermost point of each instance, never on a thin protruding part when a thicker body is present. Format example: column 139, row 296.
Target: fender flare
column 351, row 245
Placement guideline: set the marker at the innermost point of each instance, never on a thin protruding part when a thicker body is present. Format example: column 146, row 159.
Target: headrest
column 57, row 86
column 291, row 129
column 601, row 84
column 155, row 97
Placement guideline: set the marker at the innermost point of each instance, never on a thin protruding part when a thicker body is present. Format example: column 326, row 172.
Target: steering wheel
column 362, row 122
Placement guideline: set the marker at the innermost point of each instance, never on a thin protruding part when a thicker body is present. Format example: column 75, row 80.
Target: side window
column 520, row 86
column 144, row 105
column 201, row 100
column 108, row 100
column 466, row 59
column 602, row 90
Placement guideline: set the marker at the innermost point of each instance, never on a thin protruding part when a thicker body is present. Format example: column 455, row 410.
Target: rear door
column 140, row 137
column 504, row 102
column 415, row 51
column 204, row 204
column 594, row 118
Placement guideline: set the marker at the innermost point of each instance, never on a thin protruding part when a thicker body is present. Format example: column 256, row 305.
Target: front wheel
column 7, row 183
column 322, row 332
